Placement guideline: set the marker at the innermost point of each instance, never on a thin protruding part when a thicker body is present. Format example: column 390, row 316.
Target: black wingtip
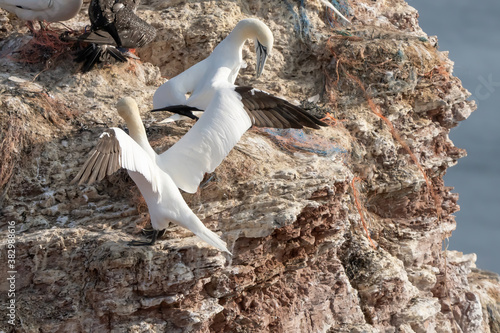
column 319, row 123
column 89, row 56
column 115, row 53
column 270, row 111
column 183, row 110
column 95, row 53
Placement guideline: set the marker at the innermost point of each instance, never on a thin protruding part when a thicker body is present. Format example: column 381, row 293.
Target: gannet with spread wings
column 229, row 110
column 115, row 149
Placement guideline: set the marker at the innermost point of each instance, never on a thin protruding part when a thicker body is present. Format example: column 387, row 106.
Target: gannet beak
column 166, row 108
column 183, row 110
column 261, row 58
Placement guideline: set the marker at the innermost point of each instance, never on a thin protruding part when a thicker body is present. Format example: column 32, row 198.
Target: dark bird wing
column 115, row 150
column 114, row 25
column 103, row 12
column 95, row 53
column 101, row 37
column 134, row 32
column 118, row 18
column 266, row 110
column 103, row 160
column 102, row 17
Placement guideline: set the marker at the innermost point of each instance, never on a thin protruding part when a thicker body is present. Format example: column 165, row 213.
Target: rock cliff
column 290, row 204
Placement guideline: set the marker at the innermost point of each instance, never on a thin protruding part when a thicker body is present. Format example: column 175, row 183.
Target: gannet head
column 127, row 108
column 263, row 45
column 262, row 36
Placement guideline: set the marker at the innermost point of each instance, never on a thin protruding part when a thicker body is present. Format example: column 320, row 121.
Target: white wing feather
column 134, row 158
column 208, row 142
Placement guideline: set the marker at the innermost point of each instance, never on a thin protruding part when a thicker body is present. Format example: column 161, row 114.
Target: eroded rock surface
column 283, row 200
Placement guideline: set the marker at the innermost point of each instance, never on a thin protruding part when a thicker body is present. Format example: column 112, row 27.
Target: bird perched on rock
column 42, row 10
column 229, row 110
column 115, row 149
column 114, row 25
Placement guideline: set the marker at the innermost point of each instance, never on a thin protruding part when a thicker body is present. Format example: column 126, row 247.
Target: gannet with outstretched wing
column 229, row 110
column 114, row 25
column 43, row 10
column 223, row 64
column 116, row 150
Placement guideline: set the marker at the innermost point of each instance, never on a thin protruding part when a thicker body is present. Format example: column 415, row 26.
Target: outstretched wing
column 115, row 150
column 266, row 110
column 208, row 142
column 230, row 113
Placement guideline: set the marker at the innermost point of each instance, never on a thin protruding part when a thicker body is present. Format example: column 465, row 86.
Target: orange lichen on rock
column 360, row 210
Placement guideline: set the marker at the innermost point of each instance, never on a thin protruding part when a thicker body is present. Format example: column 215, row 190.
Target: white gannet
column 197, row 80
column 43, row 10
column 115, row 149
column 114, row 24
column 229, row 110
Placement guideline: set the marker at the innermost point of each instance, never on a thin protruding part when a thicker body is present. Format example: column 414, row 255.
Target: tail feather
column 115, row 53
column 90, row 56
column 213, row 239
column 95, row 53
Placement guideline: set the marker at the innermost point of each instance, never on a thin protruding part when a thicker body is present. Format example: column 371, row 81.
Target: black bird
column 114, row 25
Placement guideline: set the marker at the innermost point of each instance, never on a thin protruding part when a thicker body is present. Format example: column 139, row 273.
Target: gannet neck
column 248, row 29
column 230, row 49
column 129, row 111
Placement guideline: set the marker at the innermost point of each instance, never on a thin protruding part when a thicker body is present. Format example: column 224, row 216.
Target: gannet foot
column 43, row 27
column 154, row 236
column 148, row 232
